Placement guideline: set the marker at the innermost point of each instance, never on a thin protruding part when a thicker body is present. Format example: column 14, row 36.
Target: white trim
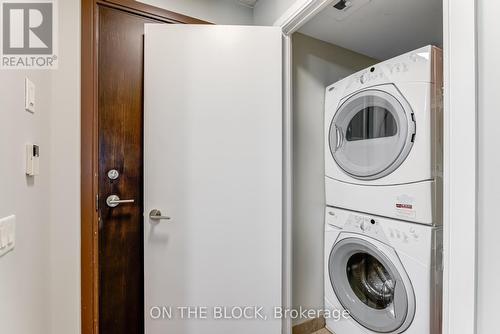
column 299, row 13
column 290, row 22
column 287, row 180
column 460, row 195
column 460, row 176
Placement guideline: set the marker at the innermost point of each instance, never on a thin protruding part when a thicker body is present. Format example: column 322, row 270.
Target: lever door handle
column 156, row 215
column 113, row 201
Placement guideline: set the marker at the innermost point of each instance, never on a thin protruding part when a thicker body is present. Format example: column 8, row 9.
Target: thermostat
column 32, row 160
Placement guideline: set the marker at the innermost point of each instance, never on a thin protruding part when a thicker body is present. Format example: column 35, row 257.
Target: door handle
column 113, row 201
column 156, row 215
column 340, row 138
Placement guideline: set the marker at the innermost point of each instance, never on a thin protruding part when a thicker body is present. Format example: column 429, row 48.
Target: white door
column 213, row 164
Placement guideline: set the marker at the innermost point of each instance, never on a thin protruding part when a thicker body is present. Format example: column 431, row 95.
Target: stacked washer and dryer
column 384, row 165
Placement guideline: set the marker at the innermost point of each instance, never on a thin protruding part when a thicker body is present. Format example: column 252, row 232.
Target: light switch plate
column 29, row 96
column 7, row 234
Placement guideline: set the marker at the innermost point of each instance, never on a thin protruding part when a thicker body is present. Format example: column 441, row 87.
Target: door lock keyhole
column 113, row 174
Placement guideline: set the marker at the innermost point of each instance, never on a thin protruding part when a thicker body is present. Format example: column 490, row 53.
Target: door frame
column 460, row 156
column 89, row 145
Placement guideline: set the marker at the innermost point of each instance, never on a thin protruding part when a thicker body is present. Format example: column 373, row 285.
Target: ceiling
column 380, row 29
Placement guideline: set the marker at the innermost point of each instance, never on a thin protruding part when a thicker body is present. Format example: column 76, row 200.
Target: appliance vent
column 342, row 9
column 342, row 4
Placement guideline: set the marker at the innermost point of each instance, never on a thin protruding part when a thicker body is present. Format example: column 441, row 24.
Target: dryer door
column 373, row 288
column 372, row 133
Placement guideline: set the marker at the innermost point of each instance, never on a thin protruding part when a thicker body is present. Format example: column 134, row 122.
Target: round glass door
column 370, row 281
column 370, row 287
column 371, row 134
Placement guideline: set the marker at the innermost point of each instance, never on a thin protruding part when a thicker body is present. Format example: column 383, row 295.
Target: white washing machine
column 387, row 275
column 383, row 142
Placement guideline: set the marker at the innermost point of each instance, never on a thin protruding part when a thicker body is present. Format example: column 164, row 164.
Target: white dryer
column 386, row 275
column 383, row 139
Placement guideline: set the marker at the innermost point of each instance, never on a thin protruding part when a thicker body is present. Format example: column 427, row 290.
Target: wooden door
column 120, row 135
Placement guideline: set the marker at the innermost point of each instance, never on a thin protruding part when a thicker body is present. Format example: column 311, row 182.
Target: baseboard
column 310, row 326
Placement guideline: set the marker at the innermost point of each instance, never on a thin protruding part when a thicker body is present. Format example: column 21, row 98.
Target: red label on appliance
column 404, row 206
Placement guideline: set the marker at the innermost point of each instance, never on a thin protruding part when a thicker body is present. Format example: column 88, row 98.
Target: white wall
column 215, row 11
column 40, row 279
column 316, row 64
column 488, row 167
column 24, row 273
column 266, row 12
column 65, row 176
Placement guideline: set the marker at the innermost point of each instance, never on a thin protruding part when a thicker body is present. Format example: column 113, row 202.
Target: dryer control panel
column 415, row 66
column 372, row 74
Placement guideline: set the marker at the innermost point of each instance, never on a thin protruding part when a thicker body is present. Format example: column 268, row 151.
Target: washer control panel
column 364, row 225
column 371, row 226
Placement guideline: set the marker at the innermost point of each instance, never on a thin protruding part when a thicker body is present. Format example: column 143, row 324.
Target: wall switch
column 7, row 234
column 29, row 96
column 32, row 160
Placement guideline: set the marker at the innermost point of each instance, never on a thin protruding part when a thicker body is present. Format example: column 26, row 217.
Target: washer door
column 372, row 133
column 367, row 284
